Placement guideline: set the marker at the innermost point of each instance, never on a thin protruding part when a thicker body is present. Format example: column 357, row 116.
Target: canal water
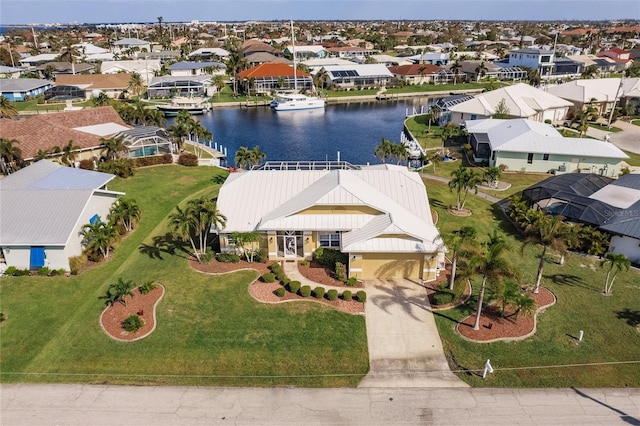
column 353, row 129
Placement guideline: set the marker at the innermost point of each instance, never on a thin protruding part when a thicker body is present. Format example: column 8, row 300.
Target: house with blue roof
column 44, row 207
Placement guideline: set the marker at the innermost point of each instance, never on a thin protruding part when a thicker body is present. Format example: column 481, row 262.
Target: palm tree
column 491, row 266
column 615, row 261
column 98, row 237
column 178, row 132
column 448, row 132
column 135, row 86
column 384, row 150
column 69, row 53
column 219, row 82
column 491, row 175
column 69, row 153
column 455, row 69
column 243, row 158
column 320, row 78
column 463, row 179
column 235, row 64
column 182, row 223
column 550, row 232
column 114, row 146
column 433, row 114
column 154, row 117
column 101, row 100
column 481, row 71
column 125, row 212
column 257, row 156
column 460, row 241
column 10, row 155
column 117, row 292
column 7, row 109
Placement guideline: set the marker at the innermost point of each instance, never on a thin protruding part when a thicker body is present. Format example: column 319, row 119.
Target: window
column 529, row 158
column 545, row 157
column 329, row 240
column 474, row 116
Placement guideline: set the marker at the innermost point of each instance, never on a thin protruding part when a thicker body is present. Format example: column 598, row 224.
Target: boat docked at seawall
column 193, row 105
column 296, row 101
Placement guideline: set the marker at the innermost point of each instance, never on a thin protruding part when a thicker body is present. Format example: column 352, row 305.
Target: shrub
column 188, row 160
column 294, row 286
column 122, row 167
column 280, row 291
column 44, row 271
column 87, row 165
column 468, row 147
column 347, row 295
column 268, row 277
column 352, row 282
column 275, row 267
column 341, row 272
column 280, row 276
column 332, row 294
column 132, row 323
column 305, row 291
column 15, row 272
column 329, row 257
column 304, row 263
column 361, row 296
column 228, row 258
column 318, row 292
column 442, row 297
column 147, row 287
column 208, row 256
column 76, row 263
column 260, row 256
column 285, row 281
column 152, row 161
column 55, row 272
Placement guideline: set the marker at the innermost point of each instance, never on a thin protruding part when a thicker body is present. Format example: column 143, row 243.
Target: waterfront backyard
column 210, row 331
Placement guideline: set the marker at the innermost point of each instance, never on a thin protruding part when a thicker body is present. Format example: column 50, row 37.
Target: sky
column 124, row 11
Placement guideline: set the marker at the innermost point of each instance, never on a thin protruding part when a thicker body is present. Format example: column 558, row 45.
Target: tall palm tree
column 491, row 266
column 114, row 146
column 615, row 261
column 69, row 153
column 235, row 64
column 433, row 114
column 551, row 233
column 384, row 150
column 243, row 157
column 481, row 71
column 183, row 224
column 463, row 179
column 102, row 99
column 460, row 241
column 448, row 131
column 455, row 69
column 10, row 155
column 7, row 108
column 257, row 156
column 320, row 78
column 69, row 53
column 219, row 82
column 136, row 85
column 125, row 212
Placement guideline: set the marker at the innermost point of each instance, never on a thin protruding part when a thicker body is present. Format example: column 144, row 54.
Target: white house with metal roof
column 520, row 101
column 378, row 215
column 531, row 146
column 354, row 75
column 43, row 209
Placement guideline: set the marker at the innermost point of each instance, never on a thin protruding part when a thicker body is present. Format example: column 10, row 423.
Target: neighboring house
column 444, row 104
column 624, row 224
column 350, row 76
column 471, row 70
column 433, row 58
column 567, row 67
column 145, row 67
column 197, row 68
column 520, row 101
column 389, row 60
column 599, row 92
column 40, row 59
column 539, row 59
column 83, row 127
column 266, row 77
column 378, row 215
column 259, row 58
column 127, row 46
column 630, row 93
column 208, row 53
column 531, row 146
column 64, row 68
column 11, row 72
column 44, row 207
column 350, row 52
column 113, row 85
column 307, row 52
column 160, row 55
column 416, row 73
column 21, row 89
column 169, row 85
column 256, row 46
column 603, row 65
column 621, row 57
column 316, row 64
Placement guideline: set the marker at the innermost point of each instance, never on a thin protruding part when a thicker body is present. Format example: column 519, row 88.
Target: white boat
column 294, row 101
column 193, row 105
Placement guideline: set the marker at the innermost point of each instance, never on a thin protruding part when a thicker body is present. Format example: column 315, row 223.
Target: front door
column 290, row 244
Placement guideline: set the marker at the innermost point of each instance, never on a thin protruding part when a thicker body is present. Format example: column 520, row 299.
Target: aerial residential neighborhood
column 366, row 205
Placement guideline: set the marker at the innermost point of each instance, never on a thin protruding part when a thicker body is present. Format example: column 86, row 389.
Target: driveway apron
column 405, row 349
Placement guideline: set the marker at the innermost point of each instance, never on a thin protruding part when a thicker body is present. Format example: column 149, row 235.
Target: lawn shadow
column 571, row 281
column 437, row 203
column 167, row 243
column 219, row 179
column 499, row 211
column 632, row 317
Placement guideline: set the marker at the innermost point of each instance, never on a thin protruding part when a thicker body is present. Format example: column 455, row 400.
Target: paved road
column 122, row 405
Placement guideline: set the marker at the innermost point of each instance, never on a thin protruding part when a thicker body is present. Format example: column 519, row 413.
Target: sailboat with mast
column 293, row 101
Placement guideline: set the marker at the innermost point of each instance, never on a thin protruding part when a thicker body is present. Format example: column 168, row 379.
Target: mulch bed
column 493, row 327
column 215, row 267
column 323, row 275
column 142, row 304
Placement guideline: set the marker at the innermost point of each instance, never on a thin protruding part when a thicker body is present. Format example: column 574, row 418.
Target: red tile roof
column 43, row 132
column 271, row 69
column 415, row 69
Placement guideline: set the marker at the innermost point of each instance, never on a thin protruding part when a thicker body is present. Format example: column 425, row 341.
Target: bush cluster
column 122, row 167
column 147, row 287
column 318, row 292
column 15, row 272
column 341, row 271
column 332, row 294
column 188, row 159
column 207, row 256
column 77, row 262
column 132, row 323
column 329, row 257
column 361, row 296
column 87, row 165
column 260, row 256
column 227, row 258
column 154, row 160
column 352, row 282
column 268, row 277
column 347, row 295
column 294, row 286
column 305, row 291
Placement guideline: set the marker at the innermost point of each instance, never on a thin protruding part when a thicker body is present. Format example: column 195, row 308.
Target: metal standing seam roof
column 625, row 222
column 22, row 84
column 187, row 65
column 263, row 199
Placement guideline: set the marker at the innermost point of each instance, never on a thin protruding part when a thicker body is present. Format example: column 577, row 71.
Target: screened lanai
column 146, row 141
column 165, row 86
column 569, row 195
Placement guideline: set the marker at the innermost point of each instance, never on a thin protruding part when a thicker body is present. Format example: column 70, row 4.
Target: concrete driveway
column 405, row 349
column 628, row 139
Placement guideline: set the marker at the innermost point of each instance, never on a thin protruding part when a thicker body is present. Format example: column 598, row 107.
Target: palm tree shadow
column 219, row 179
column 397, row 296
column 167, row 243
column 570, row 280
column 632, row 317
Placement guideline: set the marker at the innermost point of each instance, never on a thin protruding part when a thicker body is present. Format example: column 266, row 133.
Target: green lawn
column 604, row 128
column 634, row 159
column 636, row 122
column 609, row 322
column 210, row 331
